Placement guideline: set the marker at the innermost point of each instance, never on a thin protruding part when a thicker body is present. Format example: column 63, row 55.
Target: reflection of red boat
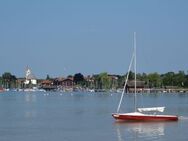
column 136, row 116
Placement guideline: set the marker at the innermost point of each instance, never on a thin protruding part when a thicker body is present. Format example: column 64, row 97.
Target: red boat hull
column 143, row 117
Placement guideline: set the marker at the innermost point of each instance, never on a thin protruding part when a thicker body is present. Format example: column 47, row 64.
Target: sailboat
column 140, row 114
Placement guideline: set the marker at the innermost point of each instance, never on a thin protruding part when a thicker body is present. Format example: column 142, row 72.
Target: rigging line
column 125, row 82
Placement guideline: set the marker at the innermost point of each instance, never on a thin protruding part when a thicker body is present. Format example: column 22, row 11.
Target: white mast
column 135, row 98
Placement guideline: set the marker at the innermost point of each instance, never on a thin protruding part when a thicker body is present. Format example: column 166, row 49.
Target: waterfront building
column 30, row 79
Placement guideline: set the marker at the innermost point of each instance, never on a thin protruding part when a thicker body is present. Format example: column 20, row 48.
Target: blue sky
column 62, row 37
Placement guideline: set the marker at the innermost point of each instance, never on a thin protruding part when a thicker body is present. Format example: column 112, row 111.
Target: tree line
column 151, row 80
column 107, row 81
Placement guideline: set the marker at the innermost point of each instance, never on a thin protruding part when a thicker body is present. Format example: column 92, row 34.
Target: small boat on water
column 140, row 114
column 137, row 116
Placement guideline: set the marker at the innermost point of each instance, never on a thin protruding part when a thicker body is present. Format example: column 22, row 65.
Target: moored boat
column 137, row 116
column 140, row 114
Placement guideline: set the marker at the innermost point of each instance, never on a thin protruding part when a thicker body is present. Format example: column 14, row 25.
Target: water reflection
column 140, row 130
column 29, row 109
column 30, row 114
column 30, row 98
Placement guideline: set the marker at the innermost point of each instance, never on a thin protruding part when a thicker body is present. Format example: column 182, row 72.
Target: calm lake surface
column 55, row 116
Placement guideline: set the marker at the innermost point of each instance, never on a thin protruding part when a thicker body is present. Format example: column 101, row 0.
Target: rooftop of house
column 131, row 83
column 46, row 82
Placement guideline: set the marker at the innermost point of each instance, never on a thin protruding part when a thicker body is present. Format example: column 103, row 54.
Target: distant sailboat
column 138, row 114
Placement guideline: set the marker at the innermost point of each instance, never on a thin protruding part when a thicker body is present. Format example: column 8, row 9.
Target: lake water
column 55, row 116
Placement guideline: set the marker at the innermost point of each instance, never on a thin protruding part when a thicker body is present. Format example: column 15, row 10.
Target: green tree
column 180, row 79
column 121, row 81
column 168, row 79
column 13, row 81
column 79, row 79
column 154, row 80
column 8, row 80
column 104, row 80
column 186, row 81
column 97, row 83
column 48, row 77
column 131, row 75
column 1, row 81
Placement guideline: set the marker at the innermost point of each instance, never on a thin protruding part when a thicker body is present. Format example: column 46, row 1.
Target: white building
column 30, row 78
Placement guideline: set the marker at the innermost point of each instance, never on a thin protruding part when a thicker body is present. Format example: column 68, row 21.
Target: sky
column 64, row 37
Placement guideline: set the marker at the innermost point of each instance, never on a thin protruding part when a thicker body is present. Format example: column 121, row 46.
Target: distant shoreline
column 102, row 82
column 139, row 91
